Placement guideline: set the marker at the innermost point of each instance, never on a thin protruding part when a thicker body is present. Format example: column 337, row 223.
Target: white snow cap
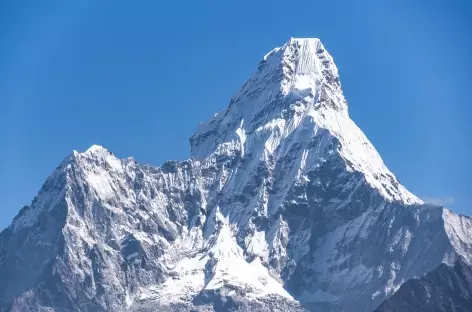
column 295, row 91
column 304, row 65
column 93, row 151
column 96, row 149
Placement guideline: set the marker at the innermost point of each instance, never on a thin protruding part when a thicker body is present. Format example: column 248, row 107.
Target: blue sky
column 138, row 77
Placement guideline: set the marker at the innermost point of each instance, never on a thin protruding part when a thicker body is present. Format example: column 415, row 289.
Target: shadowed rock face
column 284, row 206
column 443, row 289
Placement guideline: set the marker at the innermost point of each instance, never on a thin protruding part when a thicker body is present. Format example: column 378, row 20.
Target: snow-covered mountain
column 284, row 206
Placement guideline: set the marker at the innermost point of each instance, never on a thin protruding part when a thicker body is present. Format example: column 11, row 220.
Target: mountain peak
column 96, row 149
column 304, row 64
column 301, row 70
column 93, row 150
column 307, row 46
column 295, row 93
column 307, row 39
column 312, row 42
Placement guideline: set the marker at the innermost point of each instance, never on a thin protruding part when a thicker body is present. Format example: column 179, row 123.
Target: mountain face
column 441, row 290
column 284, row 206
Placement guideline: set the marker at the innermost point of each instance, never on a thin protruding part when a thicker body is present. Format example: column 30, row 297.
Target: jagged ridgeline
column 284, row 206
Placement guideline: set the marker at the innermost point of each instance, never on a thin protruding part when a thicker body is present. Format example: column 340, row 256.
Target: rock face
column 284, row 206
column 443, row 289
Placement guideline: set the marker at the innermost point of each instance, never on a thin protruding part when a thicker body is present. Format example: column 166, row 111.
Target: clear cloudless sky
column 138, row 76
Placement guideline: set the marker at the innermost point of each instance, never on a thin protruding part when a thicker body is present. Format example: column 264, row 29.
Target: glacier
column 285, row 205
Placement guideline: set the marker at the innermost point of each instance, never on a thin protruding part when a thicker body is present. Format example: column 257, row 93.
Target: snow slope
column 284, row 206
